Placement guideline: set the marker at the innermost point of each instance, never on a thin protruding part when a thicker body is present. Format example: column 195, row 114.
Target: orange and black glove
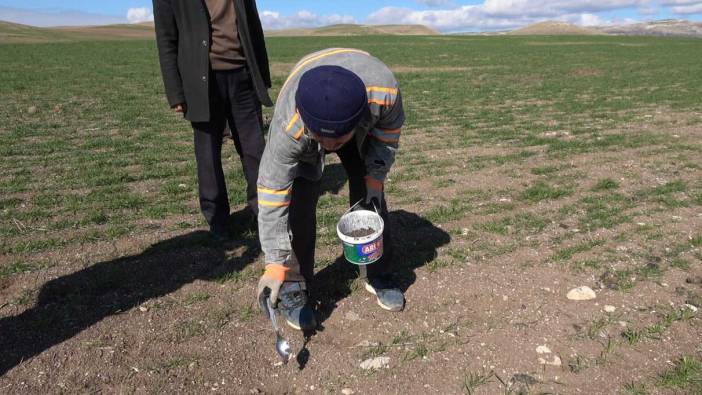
column 374, row 193
column 270, row 282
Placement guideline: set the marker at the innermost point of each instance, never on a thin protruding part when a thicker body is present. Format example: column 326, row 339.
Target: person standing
column 340, row 100
column 215, row 71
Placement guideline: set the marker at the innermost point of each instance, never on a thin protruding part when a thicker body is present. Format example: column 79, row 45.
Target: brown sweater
column 225, row 52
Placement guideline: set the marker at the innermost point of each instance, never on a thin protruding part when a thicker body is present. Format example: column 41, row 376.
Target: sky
column 444, row 15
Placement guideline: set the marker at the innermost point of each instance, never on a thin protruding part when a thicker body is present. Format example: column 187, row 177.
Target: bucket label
column 368, row 249
column 363, row 254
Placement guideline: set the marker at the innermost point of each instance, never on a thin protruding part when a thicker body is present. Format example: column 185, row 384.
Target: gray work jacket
column 291, row 152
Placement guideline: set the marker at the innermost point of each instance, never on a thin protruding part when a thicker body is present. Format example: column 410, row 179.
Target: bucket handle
column 359, row 202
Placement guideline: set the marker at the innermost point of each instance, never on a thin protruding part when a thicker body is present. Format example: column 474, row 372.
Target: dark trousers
column 303, row 214
column 233, row 101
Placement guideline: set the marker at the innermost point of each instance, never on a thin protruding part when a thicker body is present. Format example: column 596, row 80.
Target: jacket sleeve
column 275, row 179
column 385, row 139
column 260, row 47
column 167, row 42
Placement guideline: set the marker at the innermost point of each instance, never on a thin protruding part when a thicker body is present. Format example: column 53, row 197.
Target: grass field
column 528, row 166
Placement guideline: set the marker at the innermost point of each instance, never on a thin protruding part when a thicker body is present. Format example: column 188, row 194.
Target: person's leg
column 246, row 125
column 293, row 296
column 214, row 201
column 303, row 223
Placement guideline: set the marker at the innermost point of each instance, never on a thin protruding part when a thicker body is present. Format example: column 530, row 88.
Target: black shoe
column 219, row 233
column 388, row 295
column 293, row 305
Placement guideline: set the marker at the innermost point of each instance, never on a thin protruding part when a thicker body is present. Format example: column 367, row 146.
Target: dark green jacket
column 183, row 36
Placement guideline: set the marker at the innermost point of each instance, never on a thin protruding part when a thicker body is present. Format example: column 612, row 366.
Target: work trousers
column 303, row 216
column 233, row 100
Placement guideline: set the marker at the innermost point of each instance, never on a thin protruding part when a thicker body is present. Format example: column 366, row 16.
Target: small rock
column 352, row 316
column 32, row 110
column 376, row 363
column 581, row 293
column 622, row 324
column 692, row 308
column 556, row 361
column 610, row 309
column 183, row 186
column 543, row 350
column 143, row 309
column 347, row 391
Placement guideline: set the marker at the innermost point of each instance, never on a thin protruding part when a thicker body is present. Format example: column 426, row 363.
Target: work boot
column 293, row 305
column 387, row 293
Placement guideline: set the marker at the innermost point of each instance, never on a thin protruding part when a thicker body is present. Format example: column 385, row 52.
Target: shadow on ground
column 415, row 243
column 334, row 179
column 69, row 304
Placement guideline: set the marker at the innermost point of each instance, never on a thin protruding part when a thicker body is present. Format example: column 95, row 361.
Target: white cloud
column 680, row 2
column 689, row 9
column 505, row 14
column 684, row 7
column 589, row 20
column 272, row 20
column 646, row 10
column 139, row 15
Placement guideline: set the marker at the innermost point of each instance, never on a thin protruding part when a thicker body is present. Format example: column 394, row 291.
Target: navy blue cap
column 331, row 100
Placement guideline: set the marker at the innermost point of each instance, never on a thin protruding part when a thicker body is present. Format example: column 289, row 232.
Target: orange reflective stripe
column 274, row 191
column 378, row 102
column 298, row 134
column 292, row 121
column 272, row 204
column 392, row 91
column 390, row 131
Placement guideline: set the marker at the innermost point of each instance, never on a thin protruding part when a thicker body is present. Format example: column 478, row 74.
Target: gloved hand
column 272, row 279
column 374, row 193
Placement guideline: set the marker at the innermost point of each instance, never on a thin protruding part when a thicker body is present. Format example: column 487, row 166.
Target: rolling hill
column 16, row 33
column 356, row 30
column 555, row 28
column 139, row 30
column 666, row 27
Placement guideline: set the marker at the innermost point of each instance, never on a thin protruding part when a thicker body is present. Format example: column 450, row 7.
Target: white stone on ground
column 581, row 293
column 610, row 309
column 543, row 350
column 555, row 362
column 376, row 363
